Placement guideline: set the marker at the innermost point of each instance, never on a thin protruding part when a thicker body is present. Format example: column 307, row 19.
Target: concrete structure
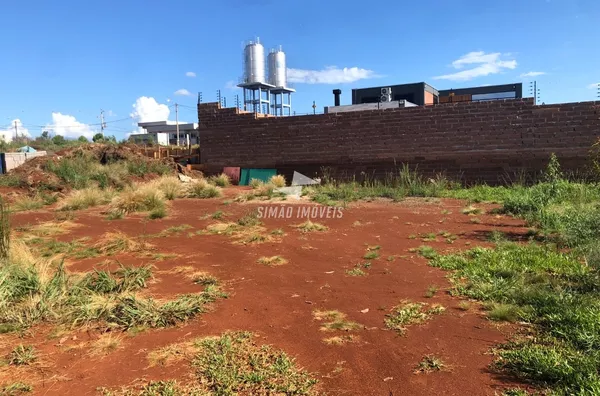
column 490, row 141
column 488, row 92
column 368, row 106
column 164, row 133
column 424, row 94
column 12, row 160
column 418, row 93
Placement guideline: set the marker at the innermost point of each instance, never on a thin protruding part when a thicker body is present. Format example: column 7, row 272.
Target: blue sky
column 65, row 60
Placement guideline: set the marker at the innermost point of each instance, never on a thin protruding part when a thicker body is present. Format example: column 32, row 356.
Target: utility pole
column 16, row 131
column 177, row 121
column 102, row 123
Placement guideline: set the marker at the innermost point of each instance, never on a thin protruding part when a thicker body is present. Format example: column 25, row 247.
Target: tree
column 98, row 137
column 82, row 139
column 59, row 140
column 45, row 135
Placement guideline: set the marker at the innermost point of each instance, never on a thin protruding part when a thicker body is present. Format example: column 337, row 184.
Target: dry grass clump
column 139, row 198
column 171, row 354
column 277, row 180
column 255, row 183
column 106, row 344
column 340, row 340
column 52, row 228
column 118, row 242
column 170, row 186
column 87, row 198
column 335, row 320
column 272, row 261
column 221, row 180
column 202, row 189
column 309, row 226
column 198, row 277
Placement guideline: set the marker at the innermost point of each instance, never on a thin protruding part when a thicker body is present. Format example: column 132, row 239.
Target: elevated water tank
column 254, row 63
column 277, row 68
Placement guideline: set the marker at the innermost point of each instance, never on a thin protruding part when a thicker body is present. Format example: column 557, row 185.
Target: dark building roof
column 517, row 88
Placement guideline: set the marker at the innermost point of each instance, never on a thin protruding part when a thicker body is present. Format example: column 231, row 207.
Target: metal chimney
column 336, row 96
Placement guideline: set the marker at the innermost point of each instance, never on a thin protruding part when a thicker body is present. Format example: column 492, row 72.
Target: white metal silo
column 254, row 63
column 277, row 68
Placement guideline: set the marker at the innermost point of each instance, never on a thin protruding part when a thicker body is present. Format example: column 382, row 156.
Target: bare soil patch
column 278, row 303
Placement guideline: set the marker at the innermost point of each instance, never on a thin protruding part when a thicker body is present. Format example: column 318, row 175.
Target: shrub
column 86, row 198
column 170, row 186
column 221, row 180
column 255, row 183
column 142, row 198
column 277, row 180
column 201, row 189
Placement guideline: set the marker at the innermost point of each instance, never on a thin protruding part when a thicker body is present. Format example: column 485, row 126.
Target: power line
column 76, row 126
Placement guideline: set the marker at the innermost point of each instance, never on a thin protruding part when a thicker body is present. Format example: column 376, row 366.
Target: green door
column 248, row 174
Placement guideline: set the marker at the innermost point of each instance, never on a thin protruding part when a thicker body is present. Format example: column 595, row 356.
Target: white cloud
column 183, row 92
column 190, row 74
column 594, row 85
column 67, row 126
column 486, row 64
column 532, row 74
column 8, row 134
column 147, row 109
column 329, row 75
column 231, row 85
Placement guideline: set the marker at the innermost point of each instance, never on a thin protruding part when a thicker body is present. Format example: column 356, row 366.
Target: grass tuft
column 430, row 363
column 86, row 198
column 221, row 180
column 335, row 320
column 272, row 261
column 118, row 242
column 22, row 355
column 309, row 226
column 409, row 313
column 202, row 189
column 277, row 180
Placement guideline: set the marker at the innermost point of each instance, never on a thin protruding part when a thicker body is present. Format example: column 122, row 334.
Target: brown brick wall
column 477, row 141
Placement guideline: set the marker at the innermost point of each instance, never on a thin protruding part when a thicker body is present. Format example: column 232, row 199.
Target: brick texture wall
column 479, row 141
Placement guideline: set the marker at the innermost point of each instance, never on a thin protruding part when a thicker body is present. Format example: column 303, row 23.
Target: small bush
column 86, row 198
column 10, row 180
column 201, row 189
column 255, row 183
column 277, row 180
column 157, row 213
column 28, row 203
column 138, row 199
column 170, row 186
column 221, row 180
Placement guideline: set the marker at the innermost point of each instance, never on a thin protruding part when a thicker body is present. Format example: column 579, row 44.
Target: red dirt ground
column 277, row 302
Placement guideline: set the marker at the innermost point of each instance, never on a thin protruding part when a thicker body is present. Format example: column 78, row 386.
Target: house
column 164, row 133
